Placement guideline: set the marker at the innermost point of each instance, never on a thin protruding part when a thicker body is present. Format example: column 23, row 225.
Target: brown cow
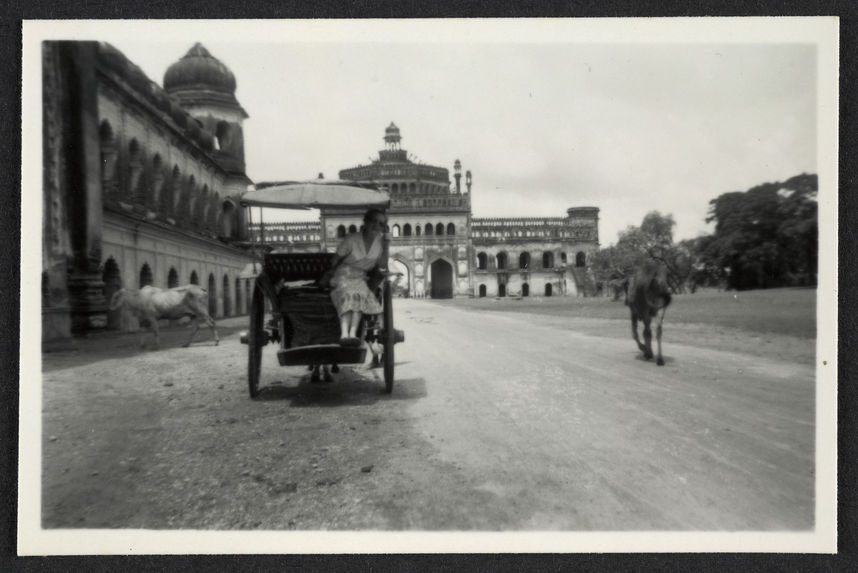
column 151, row 303
column 648, row 296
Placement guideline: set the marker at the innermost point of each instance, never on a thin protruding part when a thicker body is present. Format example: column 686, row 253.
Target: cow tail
column 117, row 299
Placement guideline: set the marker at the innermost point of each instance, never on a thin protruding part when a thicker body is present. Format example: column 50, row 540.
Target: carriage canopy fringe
column 316, row 194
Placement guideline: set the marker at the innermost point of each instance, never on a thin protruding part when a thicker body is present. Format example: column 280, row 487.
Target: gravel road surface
column 497, row 421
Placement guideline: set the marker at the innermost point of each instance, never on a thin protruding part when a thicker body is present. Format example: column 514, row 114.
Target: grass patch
column 790, row 312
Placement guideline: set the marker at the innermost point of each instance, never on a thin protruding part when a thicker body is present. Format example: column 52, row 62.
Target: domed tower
column 205, row 87
column 392, row 151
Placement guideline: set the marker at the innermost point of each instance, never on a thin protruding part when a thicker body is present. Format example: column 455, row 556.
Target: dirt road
column 497, row 422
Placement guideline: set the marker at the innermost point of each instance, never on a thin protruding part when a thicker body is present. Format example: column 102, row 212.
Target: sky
column 542, row 122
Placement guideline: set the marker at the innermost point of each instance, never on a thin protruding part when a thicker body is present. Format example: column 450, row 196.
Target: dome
column 391, row 129
column 200, row 79
column 391, row 134
column 199, row 69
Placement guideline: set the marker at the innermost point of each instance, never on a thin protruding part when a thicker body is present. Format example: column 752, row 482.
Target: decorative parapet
column 583, row 227
column 289, row 232
column 168, row 108
column 379, row 171
column 492, row 222
column 431, row 202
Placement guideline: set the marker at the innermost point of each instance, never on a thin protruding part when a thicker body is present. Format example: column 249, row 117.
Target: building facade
column 142, row 186
column 443, row 251
column 141, row 183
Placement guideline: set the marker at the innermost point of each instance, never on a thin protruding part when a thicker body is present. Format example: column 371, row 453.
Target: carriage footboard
column 321, row 354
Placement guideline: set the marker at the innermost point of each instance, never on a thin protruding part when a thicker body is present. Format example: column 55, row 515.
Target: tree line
column 764, row 237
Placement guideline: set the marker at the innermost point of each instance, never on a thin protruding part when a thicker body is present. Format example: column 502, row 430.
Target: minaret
column 205, row 88
column 457, row 169
column 468, row 179
column 392, row 137
column 392, row 152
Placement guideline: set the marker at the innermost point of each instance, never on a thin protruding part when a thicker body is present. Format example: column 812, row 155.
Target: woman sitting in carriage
column 358, row 255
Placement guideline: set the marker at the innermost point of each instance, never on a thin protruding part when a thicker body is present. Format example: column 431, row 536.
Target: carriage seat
column 311, row 316
column 292, row 267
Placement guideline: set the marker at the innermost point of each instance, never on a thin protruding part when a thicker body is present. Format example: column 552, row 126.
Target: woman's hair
column 372, row 212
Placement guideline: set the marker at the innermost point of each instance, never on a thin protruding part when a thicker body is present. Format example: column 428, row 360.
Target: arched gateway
column 442, row 279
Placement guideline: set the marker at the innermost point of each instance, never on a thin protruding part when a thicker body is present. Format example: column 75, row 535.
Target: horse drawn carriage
column 291, row 305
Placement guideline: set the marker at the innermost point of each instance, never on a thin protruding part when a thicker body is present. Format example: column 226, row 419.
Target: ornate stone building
column 141, row 183
column 441, row 249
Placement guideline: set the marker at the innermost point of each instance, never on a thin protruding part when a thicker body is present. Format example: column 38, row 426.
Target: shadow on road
column 349, row 388
column 667, row 359
column 109, row 345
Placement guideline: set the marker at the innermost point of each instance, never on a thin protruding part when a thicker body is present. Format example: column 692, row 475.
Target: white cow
column 151, row 303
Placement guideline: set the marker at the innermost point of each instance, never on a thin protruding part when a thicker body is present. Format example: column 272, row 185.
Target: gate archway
column 212, row 296
column 112, row 283
column 239, row 299
column 442, row 279
column 227, row 303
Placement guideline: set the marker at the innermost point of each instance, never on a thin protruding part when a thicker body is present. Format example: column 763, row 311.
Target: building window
column 547, row 260
column 417, row 230
column 212, row 296
column 524, row 261
column 501, row 261
column 194, row 279
column 482, row 261
column 135, row 169
column 525, row 289
column 428, row 229
column 562, row 258
column 406, row 230
column 341, row 231
column 482, row 291
column 547, row 289
column 352, row 229
column 580, row 259
column 222, row 137
column 227, row 302
column 146, row 275
column 172, row 278
column 439, row 229
column 108, row 159
column 395, row 230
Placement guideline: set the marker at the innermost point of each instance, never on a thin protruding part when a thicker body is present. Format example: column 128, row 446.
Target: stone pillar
column 55, row 237
column 82, row 174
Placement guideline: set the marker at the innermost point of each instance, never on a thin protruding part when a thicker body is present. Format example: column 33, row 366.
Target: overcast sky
column 542, row 123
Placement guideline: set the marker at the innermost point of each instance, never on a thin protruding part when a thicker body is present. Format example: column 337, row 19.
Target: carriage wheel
column 256, row 339
column 389, row 338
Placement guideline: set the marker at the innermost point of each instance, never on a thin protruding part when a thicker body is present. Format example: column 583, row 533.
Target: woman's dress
column 349, row 289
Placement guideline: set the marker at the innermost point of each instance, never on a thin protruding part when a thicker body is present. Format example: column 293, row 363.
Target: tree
column 652, row 242
column 700, row 268
column 767, row 236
